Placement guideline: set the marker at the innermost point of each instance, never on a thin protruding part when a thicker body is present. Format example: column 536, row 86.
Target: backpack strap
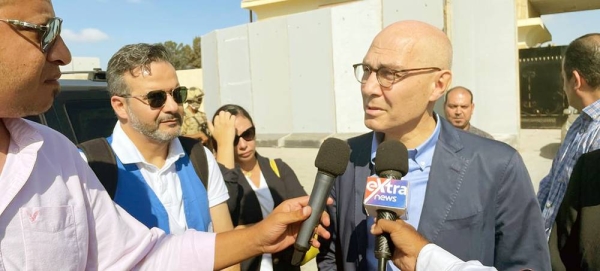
column 101, row 159
column 195, row 150
column 274, row 167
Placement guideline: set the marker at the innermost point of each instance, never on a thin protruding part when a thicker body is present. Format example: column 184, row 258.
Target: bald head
column 455, row 91
column 4, row 3
column 458, row 107
column 427, row 45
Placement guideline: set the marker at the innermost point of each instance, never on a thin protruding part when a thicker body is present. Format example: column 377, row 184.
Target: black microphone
column 391, row 163
column 331, row 162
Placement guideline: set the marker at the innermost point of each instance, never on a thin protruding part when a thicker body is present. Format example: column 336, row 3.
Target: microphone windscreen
column 333, row 156
column 391, row 155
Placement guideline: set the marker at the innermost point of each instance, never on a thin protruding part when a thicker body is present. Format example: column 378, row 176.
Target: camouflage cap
column 195, row 95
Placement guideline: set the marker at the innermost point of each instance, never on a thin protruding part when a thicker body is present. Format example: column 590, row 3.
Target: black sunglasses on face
column 48, row 32
column 247, row 135
column 158, row 98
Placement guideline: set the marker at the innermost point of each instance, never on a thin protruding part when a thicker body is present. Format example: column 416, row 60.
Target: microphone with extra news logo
column 386, row 196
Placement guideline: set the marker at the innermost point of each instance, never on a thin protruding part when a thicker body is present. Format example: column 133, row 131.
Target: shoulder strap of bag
column 274, row 167
column 101, row 159
column 195, row 150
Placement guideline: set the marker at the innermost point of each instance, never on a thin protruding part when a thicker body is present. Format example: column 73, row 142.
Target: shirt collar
column 23, row 133
column 129, row 154
column 592, row 111
column 414, row 154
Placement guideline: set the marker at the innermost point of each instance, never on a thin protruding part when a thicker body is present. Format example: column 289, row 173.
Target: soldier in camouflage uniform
column 194, row 122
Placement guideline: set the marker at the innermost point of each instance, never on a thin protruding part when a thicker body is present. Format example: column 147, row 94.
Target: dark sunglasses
column 158, row 98
column 49, row 32
column 247, row 135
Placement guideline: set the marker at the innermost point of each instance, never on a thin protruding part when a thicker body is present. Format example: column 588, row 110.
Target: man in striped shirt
column 581, row 83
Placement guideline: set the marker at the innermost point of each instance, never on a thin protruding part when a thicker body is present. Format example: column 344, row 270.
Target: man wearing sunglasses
column 157, row 182
column 54, row 213
column 469, row 195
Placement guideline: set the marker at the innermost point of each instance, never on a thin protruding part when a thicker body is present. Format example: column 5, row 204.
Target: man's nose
column 371, row 86
column 170, row 105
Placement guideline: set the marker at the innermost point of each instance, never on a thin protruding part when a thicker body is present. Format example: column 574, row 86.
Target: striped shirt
column 581, row 138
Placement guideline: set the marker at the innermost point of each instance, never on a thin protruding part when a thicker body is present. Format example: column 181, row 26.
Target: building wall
column 486, row 62
column 266, row 9
column 82, row 64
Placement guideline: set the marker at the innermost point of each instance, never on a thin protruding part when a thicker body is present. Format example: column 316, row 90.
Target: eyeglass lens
column 158, row 98
column 247, row 135
column 52, row 31
column 385, row 76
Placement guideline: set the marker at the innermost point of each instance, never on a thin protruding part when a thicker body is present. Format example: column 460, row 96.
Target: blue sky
column 566, row 27
column 98, row 28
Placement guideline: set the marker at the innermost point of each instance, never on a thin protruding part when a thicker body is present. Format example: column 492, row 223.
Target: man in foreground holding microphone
column 55, row 214
column 413, row 252
column 469, row 195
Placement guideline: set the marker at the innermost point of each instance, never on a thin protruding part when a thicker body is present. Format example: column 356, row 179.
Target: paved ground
column 537, row 147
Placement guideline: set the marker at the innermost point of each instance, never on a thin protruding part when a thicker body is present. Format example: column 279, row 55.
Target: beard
column 151, row 130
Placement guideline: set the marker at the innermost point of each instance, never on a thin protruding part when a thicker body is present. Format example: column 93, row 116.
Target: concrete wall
column 354, row 26
column 82, row 64
column 269, row 9
column 430, row 11
column 486, row 62
column 190, row 78
column 294, row 73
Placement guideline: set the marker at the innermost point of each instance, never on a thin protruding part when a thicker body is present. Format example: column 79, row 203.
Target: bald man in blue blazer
column 470, row 195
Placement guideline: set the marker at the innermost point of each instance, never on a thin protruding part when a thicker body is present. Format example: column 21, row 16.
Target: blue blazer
column 479, row 205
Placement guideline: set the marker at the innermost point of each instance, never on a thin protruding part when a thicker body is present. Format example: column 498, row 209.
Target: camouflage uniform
column 194, row 122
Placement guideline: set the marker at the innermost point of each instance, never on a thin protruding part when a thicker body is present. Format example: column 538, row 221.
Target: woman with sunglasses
column 265, row 182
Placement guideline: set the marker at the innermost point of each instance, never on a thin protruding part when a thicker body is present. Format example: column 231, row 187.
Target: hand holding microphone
column 332, row 160
column 408, row 243
column 387, row 198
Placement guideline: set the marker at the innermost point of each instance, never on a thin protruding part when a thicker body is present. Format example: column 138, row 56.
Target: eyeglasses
column 386, row 77
column 49, row 32
column 158, row 98
column 247, row 135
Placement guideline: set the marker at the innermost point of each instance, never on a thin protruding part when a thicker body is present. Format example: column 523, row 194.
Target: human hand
column 223, row 128
column 280, row 229
column 407, row 242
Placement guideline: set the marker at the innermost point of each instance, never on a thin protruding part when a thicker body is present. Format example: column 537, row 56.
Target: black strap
column 195, row 150
column 101, row 159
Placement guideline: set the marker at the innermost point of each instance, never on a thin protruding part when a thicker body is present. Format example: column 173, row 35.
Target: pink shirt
column 55, row 215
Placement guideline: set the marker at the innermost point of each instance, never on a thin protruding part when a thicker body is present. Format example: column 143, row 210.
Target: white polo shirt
column 164, row 181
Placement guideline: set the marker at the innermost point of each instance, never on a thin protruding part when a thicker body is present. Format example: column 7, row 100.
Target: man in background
column 458, row 108
column 194, row 120
column 581, row 83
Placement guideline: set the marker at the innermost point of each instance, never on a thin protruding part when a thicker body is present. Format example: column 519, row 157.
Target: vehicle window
column 35, row 118
column 91, row 119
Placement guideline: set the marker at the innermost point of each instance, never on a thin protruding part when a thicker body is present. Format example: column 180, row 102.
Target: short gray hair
column 129, row 58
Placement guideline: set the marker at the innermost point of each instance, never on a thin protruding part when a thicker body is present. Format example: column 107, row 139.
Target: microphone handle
column 383, row 243
column 318, row 198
